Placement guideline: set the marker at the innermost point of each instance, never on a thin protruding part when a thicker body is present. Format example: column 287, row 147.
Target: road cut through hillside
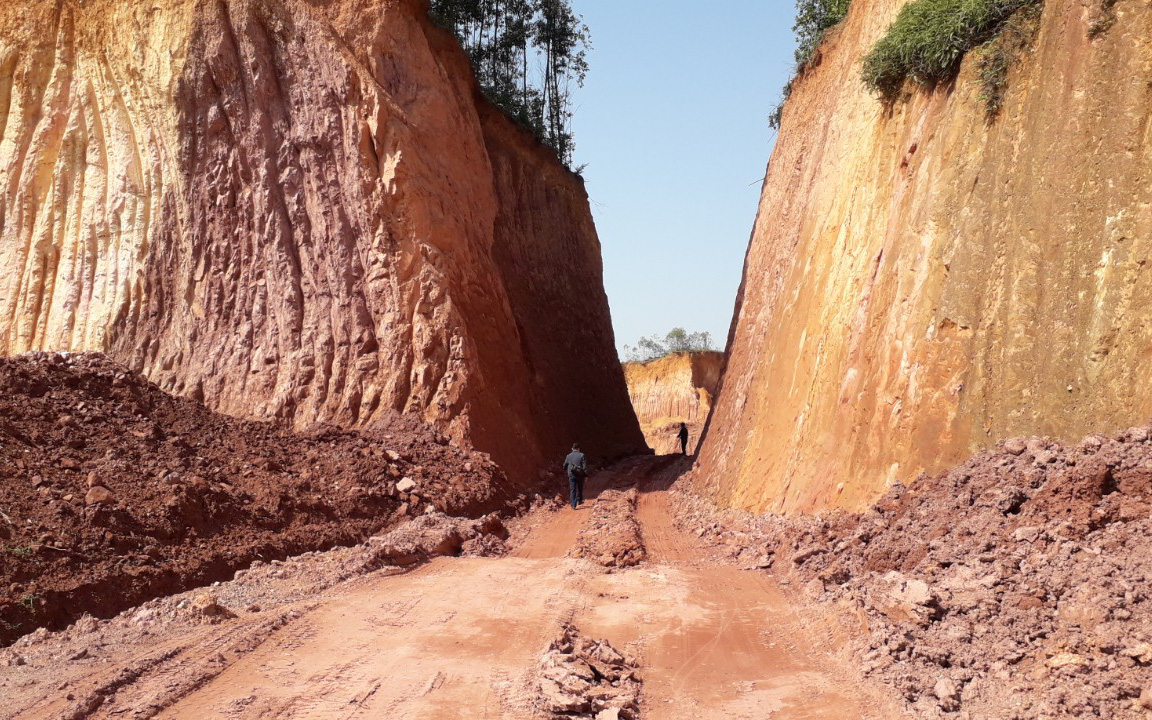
column 464, row 637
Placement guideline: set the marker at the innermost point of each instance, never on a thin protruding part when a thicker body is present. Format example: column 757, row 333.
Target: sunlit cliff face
column 921, row 284
column 299, row 210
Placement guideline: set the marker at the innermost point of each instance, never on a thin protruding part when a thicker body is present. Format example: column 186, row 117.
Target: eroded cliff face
column 921, row 284
column 300, row 210
column 675, row 389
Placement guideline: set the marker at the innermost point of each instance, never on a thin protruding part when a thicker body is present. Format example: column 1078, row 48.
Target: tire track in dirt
column 716, row 641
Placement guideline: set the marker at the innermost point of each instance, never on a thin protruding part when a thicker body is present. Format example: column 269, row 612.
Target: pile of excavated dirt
column 611, row 536
column 1014, row 586
column 113, row 492
column 585, row 678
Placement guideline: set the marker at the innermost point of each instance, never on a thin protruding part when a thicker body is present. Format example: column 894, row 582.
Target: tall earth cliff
column 301, row 210
column 921, row 284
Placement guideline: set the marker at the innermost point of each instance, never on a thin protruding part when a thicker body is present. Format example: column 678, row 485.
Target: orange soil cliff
column 304, row 211
column 921, row 284
column 675, row 389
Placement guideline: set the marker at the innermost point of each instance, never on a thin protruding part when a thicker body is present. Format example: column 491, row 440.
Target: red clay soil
column 1014, row 586
column 113, row 492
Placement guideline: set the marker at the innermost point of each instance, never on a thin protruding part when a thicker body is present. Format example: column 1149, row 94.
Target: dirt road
column 461, row 638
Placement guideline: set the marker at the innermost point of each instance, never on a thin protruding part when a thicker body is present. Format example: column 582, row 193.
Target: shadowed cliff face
column 920, row 285
column 300, row 210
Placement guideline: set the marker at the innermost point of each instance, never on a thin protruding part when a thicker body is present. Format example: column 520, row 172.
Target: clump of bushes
column 814, row 18
column 678, row 340
column 930, row 38
column 999, row 54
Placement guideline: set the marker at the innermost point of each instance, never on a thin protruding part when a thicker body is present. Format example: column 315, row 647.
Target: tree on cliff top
column 678, row 340
column 526, row 55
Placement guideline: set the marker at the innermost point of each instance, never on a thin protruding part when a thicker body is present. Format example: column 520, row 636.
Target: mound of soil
column 1014, row 586
column 113, row 492
column 611, row 537
column 435, row 534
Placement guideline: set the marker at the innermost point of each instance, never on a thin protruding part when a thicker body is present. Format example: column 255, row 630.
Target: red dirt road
column 461, row 638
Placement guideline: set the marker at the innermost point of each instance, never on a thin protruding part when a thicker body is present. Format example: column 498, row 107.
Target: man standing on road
column 683, row 435
column 577, row 467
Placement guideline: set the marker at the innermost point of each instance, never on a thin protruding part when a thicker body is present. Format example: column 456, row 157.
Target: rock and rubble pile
column 585, row 678
column 611, row 536
column 435, row 534
column 113, row 492
column 1014, row 586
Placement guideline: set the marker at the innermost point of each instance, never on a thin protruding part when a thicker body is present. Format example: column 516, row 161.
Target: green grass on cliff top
column 929, row 39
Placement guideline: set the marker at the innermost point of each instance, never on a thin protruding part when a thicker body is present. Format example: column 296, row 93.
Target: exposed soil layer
column 113, row 492
column 678, row 388
column 1013, row 586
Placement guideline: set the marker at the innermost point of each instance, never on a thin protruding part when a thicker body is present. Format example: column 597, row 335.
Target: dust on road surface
column 463, row 638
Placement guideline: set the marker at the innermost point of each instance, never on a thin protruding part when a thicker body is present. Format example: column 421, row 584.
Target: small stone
column 98, row 495
column 1092, row 442
column 1026, row 534
column 947, row 694
column 1064, row 660
column 1145, row 700
column 1015, row 446
column 207, row 605
column 406, row 485
column 1141, row 653
column 69, row 464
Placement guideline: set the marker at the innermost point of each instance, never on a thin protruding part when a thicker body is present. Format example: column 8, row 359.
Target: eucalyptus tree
column 526, row 54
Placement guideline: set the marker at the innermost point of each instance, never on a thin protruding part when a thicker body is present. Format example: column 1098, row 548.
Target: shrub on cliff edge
column 930, row 38
column 999, row 54
column 814, row 18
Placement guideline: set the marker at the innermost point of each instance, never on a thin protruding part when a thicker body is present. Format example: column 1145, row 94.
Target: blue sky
column 673, row 126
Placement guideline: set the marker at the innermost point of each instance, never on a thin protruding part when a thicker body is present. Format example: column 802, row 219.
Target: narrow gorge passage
column 712, row 641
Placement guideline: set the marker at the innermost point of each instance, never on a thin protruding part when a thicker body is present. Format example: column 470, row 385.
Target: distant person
column 683, row 435
column 576, row 466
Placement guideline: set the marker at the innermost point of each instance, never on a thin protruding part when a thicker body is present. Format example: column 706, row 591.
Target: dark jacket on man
column 576, row 465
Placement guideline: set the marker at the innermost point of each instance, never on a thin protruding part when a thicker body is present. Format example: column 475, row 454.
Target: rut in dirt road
column 466, row 637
